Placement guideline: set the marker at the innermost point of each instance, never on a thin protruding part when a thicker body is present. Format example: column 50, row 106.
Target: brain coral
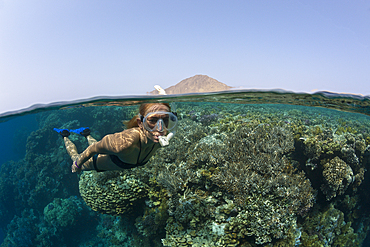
column 337, row 176
column 111, row 192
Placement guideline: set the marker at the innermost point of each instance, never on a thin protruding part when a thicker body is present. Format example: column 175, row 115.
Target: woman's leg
column 90, row 140
column 88, row 165
column 71, row 149
column 93, row 162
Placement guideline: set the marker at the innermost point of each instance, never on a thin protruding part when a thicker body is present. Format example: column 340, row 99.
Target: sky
column 66, row 50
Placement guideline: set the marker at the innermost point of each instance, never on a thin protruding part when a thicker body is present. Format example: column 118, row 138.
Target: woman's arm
column 111, row 144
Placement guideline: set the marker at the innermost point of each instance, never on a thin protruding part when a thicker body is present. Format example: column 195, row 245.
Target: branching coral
column 176, row 178
column 255, row 163
column 258, row 167
column 264, row 218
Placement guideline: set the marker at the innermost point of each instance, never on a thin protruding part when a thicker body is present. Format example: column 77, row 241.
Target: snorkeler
column 130, row 148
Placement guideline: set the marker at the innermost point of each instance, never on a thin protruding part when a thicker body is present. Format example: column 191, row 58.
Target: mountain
column 196, row 84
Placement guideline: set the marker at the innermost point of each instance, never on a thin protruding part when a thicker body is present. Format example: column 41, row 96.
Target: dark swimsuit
column 122, row 164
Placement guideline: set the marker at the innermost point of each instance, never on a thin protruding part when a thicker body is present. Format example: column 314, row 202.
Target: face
column 154, row 135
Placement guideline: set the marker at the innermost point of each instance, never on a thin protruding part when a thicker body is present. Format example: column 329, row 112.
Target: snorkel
column 165, row 140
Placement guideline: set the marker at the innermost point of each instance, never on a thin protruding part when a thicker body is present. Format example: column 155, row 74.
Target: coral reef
column 264, row 218
column 62, row 212
column 247, row 163
column 337, row 177
column 21, row 230
column 328, row 228
column 233, row 175
column 256, row 167
column 112, row 193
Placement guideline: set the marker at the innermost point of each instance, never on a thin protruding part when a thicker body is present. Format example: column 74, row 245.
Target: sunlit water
column 246, row 168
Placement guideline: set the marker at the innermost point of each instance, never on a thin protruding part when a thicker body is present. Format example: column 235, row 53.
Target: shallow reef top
column 344, row 102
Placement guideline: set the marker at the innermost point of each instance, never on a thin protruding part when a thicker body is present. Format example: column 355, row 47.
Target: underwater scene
column 243, row 169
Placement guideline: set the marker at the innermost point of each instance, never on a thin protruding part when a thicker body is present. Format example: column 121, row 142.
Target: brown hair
column 143, row 110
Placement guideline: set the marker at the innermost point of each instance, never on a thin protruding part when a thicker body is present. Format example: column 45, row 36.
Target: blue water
column 244, row 167
column 14, row 135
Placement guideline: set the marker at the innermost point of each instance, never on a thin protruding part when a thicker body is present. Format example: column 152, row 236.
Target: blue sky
column 64, row 50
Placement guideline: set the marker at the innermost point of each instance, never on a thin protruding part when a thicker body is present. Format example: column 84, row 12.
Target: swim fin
column 63, row 132
column 84, row 131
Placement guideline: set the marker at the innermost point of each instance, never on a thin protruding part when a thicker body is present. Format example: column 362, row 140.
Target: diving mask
column 159, row 121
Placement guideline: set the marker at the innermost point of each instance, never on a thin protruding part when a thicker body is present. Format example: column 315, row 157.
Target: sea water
column 245, row 167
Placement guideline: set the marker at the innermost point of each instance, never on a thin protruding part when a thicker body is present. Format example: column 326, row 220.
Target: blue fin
column 62, row 132
column 84, row 131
